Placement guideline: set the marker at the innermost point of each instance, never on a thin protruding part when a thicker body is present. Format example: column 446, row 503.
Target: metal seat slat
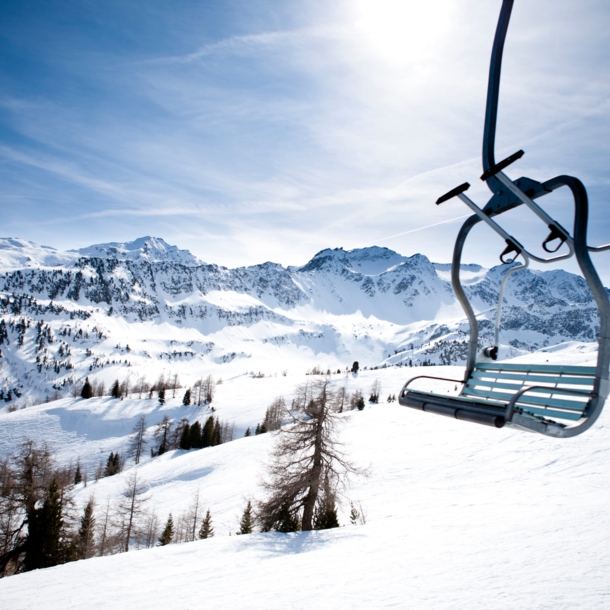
column 537, row 368
column 506, row 386
column 574, row 405
column 552, row 413
column 584, row 380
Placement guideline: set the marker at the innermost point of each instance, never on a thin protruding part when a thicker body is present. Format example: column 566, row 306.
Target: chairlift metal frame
column 512, row 408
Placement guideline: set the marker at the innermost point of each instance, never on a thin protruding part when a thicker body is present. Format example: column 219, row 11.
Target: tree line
column 40, row 526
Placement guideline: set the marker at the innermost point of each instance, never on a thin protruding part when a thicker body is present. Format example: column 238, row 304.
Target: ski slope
column 457, row 515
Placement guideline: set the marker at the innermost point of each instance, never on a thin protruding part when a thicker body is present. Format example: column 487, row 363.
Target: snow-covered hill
column 146, row 308
column 457, row 515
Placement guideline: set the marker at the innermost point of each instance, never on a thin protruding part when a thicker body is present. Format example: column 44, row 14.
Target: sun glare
column 401, row 31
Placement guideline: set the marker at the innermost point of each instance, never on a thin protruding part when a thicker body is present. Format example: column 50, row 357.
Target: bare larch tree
column 306, row 461
column 130, row 507
column 137, row 442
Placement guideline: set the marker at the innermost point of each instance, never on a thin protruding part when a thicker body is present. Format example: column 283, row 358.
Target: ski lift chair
column 559, row 401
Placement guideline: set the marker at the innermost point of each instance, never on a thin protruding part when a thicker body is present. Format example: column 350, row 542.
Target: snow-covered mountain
column 145, row 308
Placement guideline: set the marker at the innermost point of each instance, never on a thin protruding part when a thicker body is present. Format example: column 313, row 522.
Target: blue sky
column 268, row 130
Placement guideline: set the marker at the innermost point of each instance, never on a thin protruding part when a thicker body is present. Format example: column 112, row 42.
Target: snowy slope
column 458, row 515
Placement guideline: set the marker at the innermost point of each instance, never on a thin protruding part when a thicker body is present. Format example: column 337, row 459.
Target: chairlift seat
column 539, row 397
column 559, row 401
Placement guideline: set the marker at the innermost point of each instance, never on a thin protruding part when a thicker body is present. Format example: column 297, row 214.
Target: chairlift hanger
column 558, row 401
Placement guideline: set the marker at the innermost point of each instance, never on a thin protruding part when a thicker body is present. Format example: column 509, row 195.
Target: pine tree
column 85, row 543
column 168, row 532
column 78, row 477
column 196, row 441
column 325, row 517
column 115, row 391
column 186, row 401
column 360, row 403
column 355, row 367
column 185, row 439
column 207, row 436
column 217, row 438
column 258, row 429
column 287, row 519
column 353, row 514
column 248, row 433
column 206, row 530
column 113, row 465
column 245, row 525
column 162, row 396
column 43, row 544
column 87, row 391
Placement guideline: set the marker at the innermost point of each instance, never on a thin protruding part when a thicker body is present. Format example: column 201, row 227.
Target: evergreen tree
column 287, row 519
column 87, row 391
column 43, row 544
column 196, row 441
column 325, row 517
column 115, row 391
column 162, row 396
column 355, row 367
column 360, row 404
column 168, row 532
column 217, row 438
column 207, row 437
column 245, row 525
column 185, row 439
column 263, row 428
column 186, row 401
column 113, row 465
column 206, row 530
column 78, row 477
column 248, row 433
column 85, row 542
column 258, row 429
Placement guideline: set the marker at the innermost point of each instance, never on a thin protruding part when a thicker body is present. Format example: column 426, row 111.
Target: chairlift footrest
column 458, row 409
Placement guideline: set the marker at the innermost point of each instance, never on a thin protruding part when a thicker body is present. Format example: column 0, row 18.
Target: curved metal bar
column 493, row 94
column 525, row 265
column 510, row 407
column 462, row 381
column 601, row 385
column 599, row 248
column 461, row 295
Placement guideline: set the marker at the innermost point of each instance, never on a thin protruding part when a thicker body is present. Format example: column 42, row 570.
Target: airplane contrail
column 443, row 222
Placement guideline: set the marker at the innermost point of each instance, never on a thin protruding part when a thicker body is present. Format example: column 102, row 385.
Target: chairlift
column 558, row 401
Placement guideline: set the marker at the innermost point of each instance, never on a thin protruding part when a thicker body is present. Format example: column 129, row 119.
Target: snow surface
column 457, row 515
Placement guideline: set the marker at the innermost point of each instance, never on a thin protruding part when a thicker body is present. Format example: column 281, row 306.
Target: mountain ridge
column 69, row 315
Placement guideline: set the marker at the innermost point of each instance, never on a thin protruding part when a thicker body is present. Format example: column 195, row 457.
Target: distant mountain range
column 146, row 308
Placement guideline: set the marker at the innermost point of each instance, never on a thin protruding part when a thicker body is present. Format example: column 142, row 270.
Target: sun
column 401, row 31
